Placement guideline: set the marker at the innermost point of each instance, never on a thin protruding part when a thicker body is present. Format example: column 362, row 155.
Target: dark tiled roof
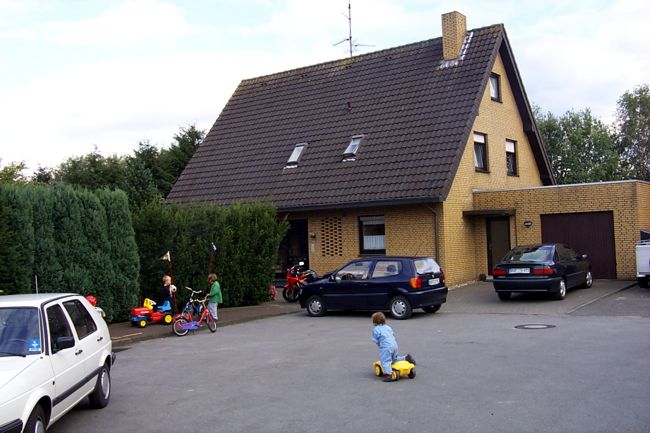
column 415, row 115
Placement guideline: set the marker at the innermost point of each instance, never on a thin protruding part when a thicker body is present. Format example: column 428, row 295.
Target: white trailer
column 643, row 262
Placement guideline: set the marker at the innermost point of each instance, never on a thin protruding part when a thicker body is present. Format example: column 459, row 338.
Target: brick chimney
column 454, row 27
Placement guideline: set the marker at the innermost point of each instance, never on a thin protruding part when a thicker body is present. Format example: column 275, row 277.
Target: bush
column 247, row 238
column 72, row 240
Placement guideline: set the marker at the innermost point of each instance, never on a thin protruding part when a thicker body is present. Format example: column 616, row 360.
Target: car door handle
column 79, row 352
column 100, row 338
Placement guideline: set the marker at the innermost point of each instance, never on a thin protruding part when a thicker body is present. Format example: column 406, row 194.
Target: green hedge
column 86, row 242
column 73, row 240
column 246, row 236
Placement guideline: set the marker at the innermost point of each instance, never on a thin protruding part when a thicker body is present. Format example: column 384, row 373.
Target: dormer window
column 295, row 155
column 350, row 153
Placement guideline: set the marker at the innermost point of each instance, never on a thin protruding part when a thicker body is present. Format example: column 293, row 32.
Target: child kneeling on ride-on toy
column 384, row 337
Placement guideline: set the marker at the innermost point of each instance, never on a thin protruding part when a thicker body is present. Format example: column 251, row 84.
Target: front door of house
column 498, row 240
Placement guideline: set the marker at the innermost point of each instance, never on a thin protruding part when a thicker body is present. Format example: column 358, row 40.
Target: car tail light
column 496, row 272
column 442, row 277
column 415, row 282
column 543, row 270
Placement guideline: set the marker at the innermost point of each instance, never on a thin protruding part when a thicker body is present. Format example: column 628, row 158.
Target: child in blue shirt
column 384, row 337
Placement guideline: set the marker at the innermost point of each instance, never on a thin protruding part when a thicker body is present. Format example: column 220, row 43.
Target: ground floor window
column 372, row 234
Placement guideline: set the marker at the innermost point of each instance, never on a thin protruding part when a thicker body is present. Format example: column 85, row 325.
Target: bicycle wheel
column 177, row 327
column 212, row 324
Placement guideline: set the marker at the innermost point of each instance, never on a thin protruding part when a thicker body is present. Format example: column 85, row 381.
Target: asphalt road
column 476, row 372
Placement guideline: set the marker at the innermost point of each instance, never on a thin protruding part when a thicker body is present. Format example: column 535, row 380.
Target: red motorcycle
column 296, row 278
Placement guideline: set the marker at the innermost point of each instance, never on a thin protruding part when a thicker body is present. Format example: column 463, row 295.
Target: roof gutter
column 357, row 205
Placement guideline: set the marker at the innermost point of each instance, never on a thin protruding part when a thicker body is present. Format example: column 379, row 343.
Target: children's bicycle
column 184, row 324
column 192, row 307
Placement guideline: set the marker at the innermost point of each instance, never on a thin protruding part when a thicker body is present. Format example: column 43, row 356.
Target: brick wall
column 409, row 231
column 629, row 201
column 463, row 245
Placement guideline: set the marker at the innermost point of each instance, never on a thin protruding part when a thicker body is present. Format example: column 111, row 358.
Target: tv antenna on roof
column 351, row 43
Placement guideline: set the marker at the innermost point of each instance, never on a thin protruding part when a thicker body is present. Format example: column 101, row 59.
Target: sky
column 83, row 75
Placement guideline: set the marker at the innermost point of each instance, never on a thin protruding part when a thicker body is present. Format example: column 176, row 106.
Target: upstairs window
column 480, row 152
column 372, row 233
column 350, row 153
column 495, row 87
column 295, row 155
column 511, row 157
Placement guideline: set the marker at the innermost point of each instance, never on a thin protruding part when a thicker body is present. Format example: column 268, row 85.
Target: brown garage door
column 589, row 233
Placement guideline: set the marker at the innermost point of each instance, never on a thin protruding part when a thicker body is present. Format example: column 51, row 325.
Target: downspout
column 436, row 234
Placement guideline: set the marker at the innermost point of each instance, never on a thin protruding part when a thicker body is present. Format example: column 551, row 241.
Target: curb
column 247, row 315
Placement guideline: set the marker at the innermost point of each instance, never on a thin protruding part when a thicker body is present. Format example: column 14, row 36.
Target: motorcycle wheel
column 177, row 327
column 290, row 295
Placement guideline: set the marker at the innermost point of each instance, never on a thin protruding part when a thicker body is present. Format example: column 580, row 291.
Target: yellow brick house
column 392, row 152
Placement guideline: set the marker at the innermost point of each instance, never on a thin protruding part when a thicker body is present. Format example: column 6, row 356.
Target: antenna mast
column 351, row 44
column 350, row 25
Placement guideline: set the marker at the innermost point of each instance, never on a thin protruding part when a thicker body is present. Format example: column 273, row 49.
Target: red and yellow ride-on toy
column 147, row 314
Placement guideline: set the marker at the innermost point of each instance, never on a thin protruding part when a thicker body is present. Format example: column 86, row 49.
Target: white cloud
column 133, row 22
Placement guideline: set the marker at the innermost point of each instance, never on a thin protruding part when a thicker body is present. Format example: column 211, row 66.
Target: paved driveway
column 481, row 298
column 476, row 372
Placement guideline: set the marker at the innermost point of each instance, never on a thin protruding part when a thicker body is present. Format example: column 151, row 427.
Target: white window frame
column 511, row 149
column 372, row 244
column 480, row 162
column 495, row 87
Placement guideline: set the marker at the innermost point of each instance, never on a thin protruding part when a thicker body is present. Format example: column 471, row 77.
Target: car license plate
column 434, row 281
column 519, row 271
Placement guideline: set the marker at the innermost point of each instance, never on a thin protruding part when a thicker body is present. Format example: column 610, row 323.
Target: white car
column 55, row 350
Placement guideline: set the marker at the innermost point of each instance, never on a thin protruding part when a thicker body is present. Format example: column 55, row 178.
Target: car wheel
column 36, row 423
column 561, row 293
column 102, row 393
column 315, row 306
column 432, row 309
column 504, row 296
column 412, row 373
column 177, row 327
column 167, row 319
column 589, row 280
column 400, row 308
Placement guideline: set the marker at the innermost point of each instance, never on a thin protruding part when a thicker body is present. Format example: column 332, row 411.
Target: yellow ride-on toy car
column 400, row 368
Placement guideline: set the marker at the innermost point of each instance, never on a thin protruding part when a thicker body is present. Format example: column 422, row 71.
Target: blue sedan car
column 395, row 284
column 545, row 268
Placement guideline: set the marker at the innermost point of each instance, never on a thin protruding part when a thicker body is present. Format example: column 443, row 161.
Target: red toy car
column 142, row 316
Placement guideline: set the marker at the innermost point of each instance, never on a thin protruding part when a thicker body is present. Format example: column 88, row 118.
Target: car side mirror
column 63, row 343
column 336, row 278
column 584, row 257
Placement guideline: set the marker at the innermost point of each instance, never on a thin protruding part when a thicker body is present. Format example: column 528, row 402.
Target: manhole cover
column 535, row 326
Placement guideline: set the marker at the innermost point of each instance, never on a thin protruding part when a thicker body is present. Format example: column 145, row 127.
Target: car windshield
column 19, row 331
column 536, row 254
column 426, row 265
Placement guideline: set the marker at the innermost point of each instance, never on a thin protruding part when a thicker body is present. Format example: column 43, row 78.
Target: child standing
column 214, row 297
column 384, row 337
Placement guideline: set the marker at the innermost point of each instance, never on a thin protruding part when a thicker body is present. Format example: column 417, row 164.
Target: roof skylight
column 295, row 155
column 350, row 153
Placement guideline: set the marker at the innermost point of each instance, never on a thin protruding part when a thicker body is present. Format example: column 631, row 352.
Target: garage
column 589, row 233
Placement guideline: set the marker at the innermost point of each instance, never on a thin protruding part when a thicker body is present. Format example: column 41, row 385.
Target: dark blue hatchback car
column 395, row 284
column 547, row 268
